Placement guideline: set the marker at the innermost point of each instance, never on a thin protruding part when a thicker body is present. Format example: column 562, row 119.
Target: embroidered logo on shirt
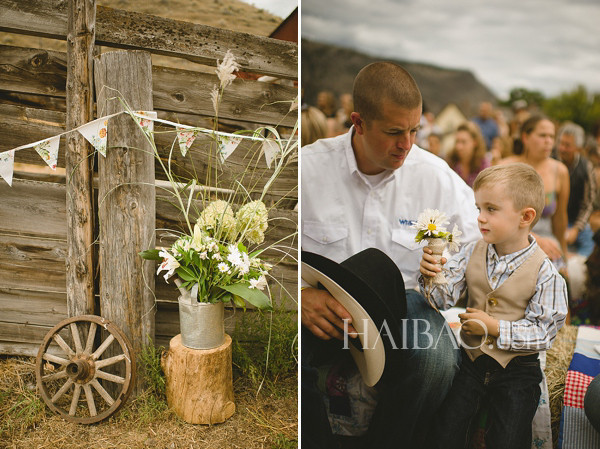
column 405, row 222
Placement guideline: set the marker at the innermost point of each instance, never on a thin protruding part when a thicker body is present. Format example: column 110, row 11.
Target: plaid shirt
column 545, row 313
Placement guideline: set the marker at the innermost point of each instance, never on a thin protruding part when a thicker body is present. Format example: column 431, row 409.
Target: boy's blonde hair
column 523, row 185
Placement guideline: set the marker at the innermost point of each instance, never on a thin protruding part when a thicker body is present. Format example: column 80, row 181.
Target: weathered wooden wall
column 33, row 229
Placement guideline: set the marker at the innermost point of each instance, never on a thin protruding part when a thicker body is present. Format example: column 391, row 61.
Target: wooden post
column 199, row 382
column 80, row 211
column 126, row 198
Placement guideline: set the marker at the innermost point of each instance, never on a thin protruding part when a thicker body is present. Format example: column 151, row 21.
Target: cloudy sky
column 546, row 45
column 281, row 8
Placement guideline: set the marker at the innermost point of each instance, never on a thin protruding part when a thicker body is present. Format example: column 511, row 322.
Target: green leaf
column 254, row 296
column 184, row 274
column 150, row 254
column 239, row 301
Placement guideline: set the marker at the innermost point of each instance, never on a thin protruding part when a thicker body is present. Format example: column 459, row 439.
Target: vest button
column 492, row 302
column 489, row 341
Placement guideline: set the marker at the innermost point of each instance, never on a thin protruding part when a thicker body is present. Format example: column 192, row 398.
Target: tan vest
column 507, row 302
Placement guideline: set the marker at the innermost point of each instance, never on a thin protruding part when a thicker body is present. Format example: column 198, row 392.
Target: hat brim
column 369, row 313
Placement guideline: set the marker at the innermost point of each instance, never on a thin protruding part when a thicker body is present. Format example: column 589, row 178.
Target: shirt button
column 494, row 278
column 369, row 231
column 492, row 302
column 325, row 239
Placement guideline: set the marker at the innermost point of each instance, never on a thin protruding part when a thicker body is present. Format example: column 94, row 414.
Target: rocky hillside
column 327, row 67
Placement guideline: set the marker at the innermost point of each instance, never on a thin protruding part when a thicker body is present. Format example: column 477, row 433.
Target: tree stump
column 199, row 382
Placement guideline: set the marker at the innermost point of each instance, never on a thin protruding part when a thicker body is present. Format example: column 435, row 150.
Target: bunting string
column 96, row 133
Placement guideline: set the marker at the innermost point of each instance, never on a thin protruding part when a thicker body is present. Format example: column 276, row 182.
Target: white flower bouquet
column 430, row 226
column 214, row 263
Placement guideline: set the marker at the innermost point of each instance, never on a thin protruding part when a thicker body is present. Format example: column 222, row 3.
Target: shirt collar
column 494, row 257
column 351, row 159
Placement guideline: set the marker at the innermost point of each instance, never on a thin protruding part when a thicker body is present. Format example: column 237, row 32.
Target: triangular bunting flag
column 271, row 149
column 7, row 165
column 146, row 123
column 227, row 145
column 185, row 139
column 48, row 151
column 96, row 133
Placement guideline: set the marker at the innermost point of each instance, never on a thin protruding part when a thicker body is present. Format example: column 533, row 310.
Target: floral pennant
column 227, row 145
column 7, row 165
column 271, row 150
column 185, row 139
column 147, row 124
column 48, row 150
column 96, row 133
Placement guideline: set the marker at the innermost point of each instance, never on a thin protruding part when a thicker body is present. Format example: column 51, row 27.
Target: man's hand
column 323, row 315
column 430, row 265
column 550, row 247
column 477, row 322
column 571, row 235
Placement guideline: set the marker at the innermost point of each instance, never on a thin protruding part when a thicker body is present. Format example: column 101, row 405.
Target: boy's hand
column 477, row 322
column 430, row 265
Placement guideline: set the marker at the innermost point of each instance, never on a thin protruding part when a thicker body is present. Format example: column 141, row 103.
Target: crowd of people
column 566, row 158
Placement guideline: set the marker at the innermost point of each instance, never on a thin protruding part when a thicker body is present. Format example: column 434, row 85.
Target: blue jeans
column 584, row 243
column 511, row 394
column 406, row 406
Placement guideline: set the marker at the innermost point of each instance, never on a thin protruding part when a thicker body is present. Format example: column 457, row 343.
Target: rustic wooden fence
column 49, row 240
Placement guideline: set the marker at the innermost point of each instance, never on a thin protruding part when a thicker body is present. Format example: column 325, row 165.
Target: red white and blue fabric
column 576, row 432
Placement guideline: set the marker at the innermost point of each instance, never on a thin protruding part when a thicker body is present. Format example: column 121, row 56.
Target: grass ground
column 263, row 419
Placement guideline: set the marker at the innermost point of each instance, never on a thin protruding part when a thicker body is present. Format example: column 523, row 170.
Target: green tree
column 578, row 106
column 532, row 97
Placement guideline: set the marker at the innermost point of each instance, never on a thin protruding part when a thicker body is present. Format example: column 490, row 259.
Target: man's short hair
column 522, row 184
column 382, row 81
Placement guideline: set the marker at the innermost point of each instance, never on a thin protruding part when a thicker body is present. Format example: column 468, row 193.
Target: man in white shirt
column 365, row 189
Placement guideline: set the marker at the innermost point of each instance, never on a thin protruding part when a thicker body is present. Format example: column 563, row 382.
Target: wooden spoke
column 103, row 347
column 109, row 361
column 75, row 400
column 90, row 399
column 90, row 339
column 110, row 377
column 62, row 380
column 76, row 338
column 63, row 344
column 55, row 359
column 55, row 376
column 100, row 389
column 62, row 390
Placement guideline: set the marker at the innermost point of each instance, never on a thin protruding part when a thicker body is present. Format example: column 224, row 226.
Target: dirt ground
column 264, row 420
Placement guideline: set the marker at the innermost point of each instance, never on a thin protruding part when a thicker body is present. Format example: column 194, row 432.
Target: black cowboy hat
column 370, row 287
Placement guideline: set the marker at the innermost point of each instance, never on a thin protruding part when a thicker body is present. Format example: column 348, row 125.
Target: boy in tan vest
column 516, row 304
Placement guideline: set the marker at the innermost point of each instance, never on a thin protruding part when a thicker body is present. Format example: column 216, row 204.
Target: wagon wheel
column 72, row 358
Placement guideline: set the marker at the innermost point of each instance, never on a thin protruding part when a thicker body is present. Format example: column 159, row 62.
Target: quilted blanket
column 576, row 432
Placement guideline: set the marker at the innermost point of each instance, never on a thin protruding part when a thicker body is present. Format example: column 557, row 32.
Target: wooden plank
column 32, row 264
column 26, row 349
column 79, row 165
column 33, row 71
column 33, row 208
column 41, row 72
column 123, row 29
column 126, row 206
column 22, row 125
column 251, row 101
column 32, row 307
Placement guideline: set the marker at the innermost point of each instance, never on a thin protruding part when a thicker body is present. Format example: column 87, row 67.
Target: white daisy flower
column 222, row 267
column 432, row 221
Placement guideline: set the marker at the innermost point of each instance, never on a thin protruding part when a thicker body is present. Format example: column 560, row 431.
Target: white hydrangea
column 218, row 217
column 252, row 221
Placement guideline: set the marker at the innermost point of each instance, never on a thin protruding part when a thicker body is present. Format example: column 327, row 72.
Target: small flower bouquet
column 431, row 227
column 214, row 263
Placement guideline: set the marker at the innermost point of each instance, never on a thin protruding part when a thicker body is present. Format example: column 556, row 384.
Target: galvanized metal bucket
column 201, row 323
